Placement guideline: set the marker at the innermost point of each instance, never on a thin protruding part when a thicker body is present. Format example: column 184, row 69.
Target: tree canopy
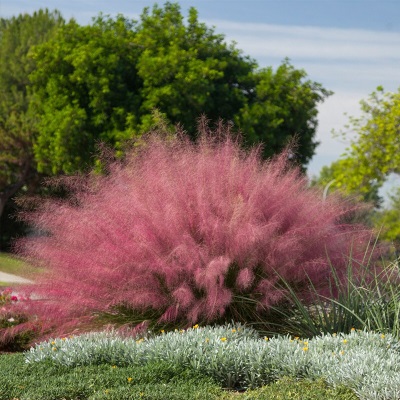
column 18, row 36
column 374, row 153
column 66, row 87
column 103, row 82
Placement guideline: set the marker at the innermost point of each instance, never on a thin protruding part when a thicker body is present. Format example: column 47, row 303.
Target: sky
column 349, row 46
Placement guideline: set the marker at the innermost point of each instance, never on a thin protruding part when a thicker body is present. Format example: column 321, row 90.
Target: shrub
column 181, row 232
column 235, row 358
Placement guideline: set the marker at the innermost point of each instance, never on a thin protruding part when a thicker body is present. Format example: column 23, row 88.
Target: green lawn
column 155, row 381
column 12, row 265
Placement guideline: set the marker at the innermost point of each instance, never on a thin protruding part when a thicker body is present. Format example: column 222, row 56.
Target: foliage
column 370, row 300
column 18, row 36
column 368, row 363
column 179, row 232
column 87, row 89
column 103, row 82
column 293, row 389
column 16, row 332
column 284, row 105
column 374, row 153
column 151, row 381
column 388, row 219
column 331, row 178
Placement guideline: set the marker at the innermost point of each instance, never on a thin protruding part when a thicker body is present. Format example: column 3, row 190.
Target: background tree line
column 66, row 87
column 372, row 155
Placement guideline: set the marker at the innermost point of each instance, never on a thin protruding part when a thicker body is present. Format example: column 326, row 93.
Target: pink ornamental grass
column 182, row 230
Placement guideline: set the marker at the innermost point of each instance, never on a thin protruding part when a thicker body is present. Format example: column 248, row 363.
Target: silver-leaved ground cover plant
column 368, row 363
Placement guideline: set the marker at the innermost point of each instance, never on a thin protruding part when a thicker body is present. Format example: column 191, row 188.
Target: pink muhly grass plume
column 181, row 229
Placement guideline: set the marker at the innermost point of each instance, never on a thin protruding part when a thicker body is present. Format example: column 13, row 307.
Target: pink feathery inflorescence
column 181, row 228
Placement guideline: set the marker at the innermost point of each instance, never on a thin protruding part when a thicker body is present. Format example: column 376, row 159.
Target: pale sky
column 350, row 46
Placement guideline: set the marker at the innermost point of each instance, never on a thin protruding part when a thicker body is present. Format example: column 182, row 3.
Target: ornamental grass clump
column 179, row 232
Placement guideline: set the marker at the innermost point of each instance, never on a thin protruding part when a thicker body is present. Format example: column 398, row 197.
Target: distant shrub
column 181, row 232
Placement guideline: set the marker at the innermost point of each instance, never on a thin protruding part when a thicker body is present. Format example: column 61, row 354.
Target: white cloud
column 351, row 62
column 332, row 116
column 311, row 42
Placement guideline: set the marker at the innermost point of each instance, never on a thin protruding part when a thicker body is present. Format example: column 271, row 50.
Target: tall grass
column 370, row 300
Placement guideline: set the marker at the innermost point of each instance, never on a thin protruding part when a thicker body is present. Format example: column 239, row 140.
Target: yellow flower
column 305, row 348
column 54, row 348
column 63, row 338
column 233, row 330
column 196, row 326
column 296, row 338
column 140, row 340
column 53, row 343
column 382, row 336
column 344, row 341
column 266, row 339
column 223, row 339
column 342, row 352
column 182, row 331
column 130, row 379
column 162, row 331
column 207, row 340
column 114, row 366
column 352, row 329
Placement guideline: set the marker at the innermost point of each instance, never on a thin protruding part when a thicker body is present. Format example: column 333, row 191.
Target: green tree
column 388, row 219
column 18, row 36
column 103, row 82
column 283, row 105
column 66, row 87
column 375, row 151
column 87, row 89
